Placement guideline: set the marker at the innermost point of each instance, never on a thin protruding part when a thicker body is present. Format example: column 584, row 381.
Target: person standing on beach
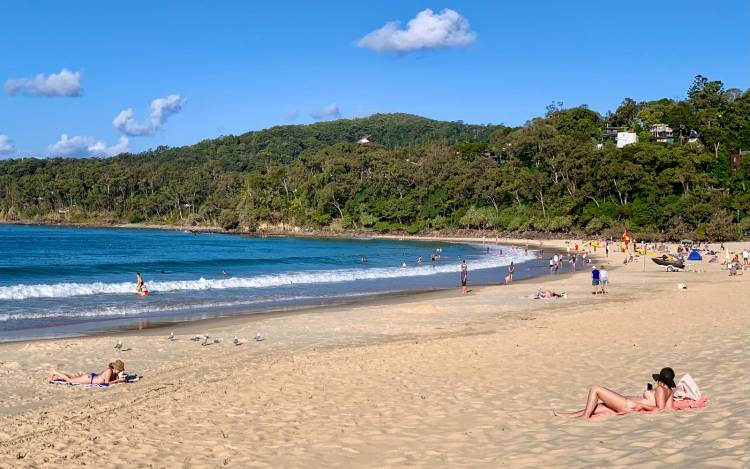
column 606, row 249
column 603, row 279
column 511, row 269
column 595, row 279
column 464, row 276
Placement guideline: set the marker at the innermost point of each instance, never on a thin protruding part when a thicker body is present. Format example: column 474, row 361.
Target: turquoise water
column 67, row 280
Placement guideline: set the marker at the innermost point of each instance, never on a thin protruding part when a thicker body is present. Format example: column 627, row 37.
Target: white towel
column 687, row 389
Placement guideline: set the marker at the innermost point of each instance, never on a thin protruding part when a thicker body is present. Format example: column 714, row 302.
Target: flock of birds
column 205, row 339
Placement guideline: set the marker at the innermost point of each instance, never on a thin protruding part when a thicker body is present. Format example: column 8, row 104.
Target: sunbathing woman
column 112, row 375
column 602, row 401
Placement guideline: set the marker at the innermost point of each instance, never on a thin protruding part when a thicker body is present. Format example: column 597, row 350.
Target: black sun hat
column 666, row 376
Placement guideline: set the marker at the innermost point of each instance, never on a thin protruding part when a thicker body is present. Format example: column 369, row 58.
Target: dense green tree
column 417, row 174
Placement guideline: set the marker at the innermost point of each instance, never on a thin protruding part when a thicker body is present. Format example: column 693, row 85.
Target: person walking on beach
column 595, row 279
column 606, row 249
column 603, row 279
column 511, row 269
column 464, row 276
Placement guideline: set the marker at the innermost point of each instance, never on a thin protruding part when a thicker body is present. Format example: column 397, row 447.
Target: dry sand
column 436, row 380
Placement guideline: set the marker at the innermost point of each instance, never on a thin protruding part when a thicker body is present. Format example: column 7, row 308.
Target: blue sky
column 231, row 67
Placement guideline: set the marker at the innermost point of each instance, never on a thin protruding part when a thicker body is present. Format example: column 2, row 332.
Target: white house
column 626, row 138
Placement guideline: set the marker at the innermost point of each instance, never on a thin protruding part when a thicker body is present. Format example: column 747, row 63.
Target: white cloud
column 86, row 146
column 65, row 83
column 425, row 31
column 6, row 145
column 161, row 109
column 332, row 110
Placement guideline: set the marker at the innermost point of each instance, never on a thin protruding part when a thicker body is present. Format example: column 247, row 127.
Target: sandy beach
column 430, row 380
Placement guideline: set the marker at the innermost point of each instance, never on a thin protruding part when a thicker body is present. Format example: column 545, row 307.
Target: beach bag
column 686, row 389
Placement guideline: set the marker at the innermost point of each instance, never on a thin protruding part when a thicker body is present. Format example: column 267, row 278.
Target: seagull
column 259, row 337
column 236, row 341
column 217, row 340
column 196, row 338
column 205, row 340
column 171, row 336
column 118, row 345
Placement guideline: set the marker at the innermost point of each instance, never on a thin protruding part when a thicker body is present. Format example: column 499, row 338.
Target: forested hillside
column 555, row 174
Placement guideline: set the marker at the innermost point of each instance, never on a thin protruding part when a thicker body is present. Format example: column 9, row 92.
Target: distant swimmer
column 420, row 260
column 224, row 273
column 403, row 265
column 433, row 258
column 363, row 260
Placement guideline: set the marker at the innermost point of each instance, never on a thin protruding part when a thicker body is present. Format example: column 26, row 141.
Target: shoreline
column 375, row 300
column 133, row 325
column 462, row 235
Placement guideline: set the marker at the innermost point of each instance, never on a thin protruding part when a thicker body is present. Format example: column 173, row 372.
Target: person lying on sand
column 603, row 401
column 112, row 375
column 547, row 295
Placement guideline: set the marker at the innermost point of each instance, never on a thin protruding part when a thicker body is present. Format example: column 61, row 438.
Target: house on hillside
column 622, row 136
column 662, row 133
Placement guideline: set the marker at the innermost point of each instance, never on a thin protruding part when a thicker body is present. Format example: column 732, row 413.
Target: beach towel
column 685, row 404
column 65, row 383
column 131, row 379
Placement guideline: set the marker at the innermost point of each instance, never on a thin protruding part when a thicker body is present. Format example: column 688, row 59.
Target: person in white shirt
column 745, row 256
column 603, row 279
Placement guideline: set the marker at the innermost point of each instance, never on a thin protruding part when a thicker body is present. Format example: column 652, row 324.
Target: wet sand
column 440, row 379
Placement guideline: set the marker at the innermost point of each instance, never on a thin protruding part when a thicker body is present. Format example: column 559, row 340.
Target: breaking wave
column 66, row 290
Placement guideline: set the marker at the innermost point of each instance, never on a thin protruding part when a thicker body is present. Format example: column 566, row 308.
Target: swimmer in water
column 224, row 273
column 139, row 282
column 403, row 265
column 363, row 260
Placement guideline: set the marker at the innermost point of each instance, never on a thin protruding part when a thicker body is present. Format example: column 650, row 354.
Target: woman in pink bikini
column 603, row 401
column 112, row 375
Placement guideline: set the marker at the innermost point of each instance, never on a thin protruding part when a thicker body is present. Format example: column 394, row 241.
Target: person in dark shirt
column 464, row 276
column 595, row 279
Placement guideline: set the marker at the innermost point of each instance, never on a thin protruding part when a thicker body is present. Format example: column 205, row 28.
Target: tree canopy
column 554, row 174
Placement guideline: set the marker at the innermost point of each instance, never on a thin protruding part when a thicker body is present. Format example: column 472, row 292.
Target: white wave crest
column 66, row 290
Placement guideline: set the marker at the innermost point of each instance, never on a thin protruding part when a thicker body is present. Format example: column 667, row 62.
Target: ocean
column 67, row 281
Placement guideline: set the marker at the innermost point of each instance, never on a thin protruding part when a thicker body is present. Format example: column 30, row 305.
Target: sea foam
column 65, row 290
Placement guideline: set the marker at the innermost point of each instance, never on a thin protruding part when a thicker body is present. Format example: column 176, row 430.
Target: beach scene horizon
column 394, row 235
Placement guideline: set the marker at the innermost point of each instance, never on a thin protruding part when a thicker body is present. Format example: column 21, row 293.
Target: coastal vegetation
column 555, row 174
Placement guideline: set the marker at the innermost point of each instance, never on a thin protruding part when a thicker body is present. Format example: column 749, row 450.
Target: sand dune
column 436, row 380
